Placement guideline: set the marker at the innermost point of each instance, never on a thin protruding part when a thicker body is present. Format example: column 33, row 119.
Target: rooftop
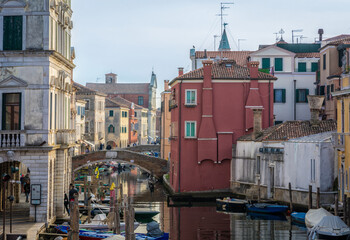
column 320, row 137
column 120, row 88
column 241, row 57
column 110, row 103
column 292, row 129
column 123, row 101
column 81, row 89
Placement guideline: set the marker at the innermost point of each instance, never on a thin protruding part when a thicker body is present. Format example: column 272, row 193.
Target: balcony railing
column 12, row 138
column 338, row 140
column 65, row 136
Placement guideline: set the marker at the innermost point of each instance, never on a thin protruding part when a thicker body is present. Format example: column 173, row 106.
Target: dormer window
column 228, row 65
column 191, row 97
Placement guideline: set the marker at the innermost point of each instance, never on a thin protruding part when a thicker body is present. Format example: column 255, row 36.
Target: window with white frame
column 191, row 97
column 190, row 129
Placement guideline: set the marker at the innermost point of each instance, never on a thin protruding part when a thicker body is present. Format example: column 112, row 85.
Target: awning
column 89, row 143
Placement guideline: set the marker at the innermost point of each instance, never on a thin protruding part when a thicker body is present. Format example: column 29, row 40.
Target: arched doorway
column 111, row 145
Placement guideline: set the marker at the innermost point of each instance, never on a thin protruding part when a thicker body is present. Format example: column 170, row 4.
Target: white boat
column 98, row 223
column 330, row 227
column 314, row 216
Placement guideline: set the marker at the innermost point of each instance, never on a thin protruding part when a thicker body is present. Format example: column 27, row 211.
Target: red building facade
column 133, row 135
column 210, row 108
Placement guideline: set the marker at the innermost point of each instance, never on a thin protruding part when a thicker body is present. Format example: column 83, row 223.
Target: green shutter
column 274, row 95
column 314, row 67
column 193, row 99
column 12, row 33
column 188, row 96
column 193, row 129
column 188, row 129
column 301, row 67
column 266, row 63
column 306, row 94
column 278, row 64
column 283, row 95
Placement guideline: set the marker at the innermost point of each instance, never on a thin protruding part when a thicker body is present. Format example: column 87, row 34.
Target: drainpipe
column 269, row 103
column 180, row 131
column 295, row 100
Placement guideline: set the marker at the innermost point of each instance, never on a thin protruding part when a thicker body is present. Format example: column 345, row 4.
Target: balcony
column 338, row 140
column 65, row 136
column 12, row 138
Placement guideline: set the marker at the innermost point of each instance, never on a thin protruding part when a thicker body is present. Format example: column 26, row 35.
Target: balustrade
column 12, row 139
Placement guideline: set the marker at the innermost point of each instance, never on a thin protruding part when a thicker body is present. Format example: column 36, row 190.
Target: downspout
column 269, row 102
column 295, row 100
column 180, row 104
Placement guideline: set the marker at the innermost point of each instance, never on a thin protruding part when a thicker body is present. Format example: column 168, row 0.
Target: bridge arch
column 157, row 166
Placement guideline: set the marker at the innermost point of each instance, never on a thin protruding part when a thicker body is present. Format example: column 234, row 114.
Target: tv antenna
column 222, row 8
column 281, row 32
column 293, row 31
column 276, row 33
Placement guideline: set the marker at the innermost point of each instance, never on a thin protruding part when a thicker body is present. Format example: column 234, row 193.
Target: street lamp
column 293, row 31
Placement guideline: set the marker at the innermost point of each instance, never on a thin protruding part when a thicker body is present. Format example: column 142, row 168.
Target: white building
column 80, row 126
column 295, row 66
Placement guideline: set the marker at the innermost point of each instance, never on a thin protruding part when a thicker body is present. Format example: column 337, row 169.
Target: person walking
column 27, row 189
column 23, row 180
column 66, row 203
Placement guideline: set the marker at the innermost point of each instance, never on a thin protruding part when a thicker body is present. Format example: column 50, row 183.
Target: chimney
column 315, row 105
column 205, row 53
column 257, row 122
column 320, row 33
column 166, row 85
column 111, row 78
column 253, row 69
column 207, row 69
column 132, row 111
column 181, row 71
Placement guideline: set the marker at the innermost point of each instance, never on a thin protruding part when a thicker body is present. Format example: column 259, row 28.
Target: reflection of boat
column 298, row 217
column 231, row 205
column 314, row 216
column 265, row 216
column 330, row 227
column 267, row 208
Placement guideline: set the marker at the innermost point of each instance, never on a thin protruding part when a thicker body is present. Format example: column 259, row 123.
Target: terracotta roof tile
column 120, row 88
column 241, row 57
column 225, row 69
column 292, row 129
column 308, row 55
column 81, row 89
column 125, row 102
column 110, row 103
column 338, row 38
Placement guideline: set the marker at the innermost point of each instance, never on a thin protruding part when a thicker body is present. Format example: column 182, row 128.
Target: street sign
column 35, row 197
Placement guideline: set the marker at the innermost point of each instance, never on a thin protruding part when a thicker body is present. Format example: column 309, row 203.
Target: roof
column 225, row 69
column 120, row 88
column 337, row 38
column 86, row 90
column 110, row 103
column 224, row 44
column 320, row 137
column 125, row 102
column 308, row 55
column 300, row 47
column 292, row 129
column 241, row 57
column 340, row 39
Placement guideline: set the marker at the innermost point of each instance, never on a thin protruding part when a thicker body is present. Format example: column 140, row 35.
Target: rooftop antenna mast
column 276, row 33
column 223, row 7
column 281, row 32
column 215, row 37
column 293, row 31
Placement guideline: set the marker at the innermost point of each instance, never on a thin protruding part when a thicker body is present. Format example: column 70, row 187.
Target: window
column 87, row 104
column 124, row 114
column 313, row 170
column 190, row 129
column 87, row 124
column 301, row 95
column 111, row 129
column 78, row 110
column 11, row 114
column 12, row 33
column 82, row 111
column 324, row 61
column 140, row 100
column 266, row 63
column 278, row 64
column 301, row 67
column 279, row 95
column 135, row 114
column 258, row 165
column 111, row 113
column 321, row 91
column 191, row 97
column 314, row 66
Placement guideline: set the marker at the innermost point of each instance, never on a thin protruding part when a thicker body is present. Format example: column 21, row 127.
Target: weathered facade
column 38, row 110
column 165, row 122
column 80, row 126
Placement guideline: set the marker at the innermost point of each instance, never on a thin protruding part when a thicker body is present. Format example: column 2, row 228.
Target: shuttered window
column 301, row 95
column 301, row 67
column 111, row 113
column 266, row 63
column 190, row 131
column 279, row 95
column 12, row 33
column 278, row 64
column 314, row 67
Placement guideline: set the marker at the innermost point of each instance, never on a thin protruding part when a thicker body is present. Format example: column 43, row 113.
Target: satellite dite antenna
column 222, row 8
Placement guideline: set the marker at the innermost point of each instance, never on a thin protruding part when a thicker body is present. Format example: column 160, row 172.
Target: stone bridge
column 157, row 166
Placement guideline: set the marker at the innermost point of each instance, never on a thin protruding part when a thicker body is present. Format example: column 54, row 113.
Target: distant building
column 211, row 107
column 295, row 67
column 165, row 122
column 80, row 126
column 142, row 94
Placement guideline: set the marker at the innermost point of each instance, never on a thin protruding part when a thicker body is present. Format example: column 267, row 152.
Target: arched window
column 111, row 129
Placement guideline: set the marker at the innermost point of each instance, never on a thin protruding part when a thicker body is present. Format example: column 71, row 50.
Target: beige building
column 36, row 94
column 94, row 115
column 117, row 123
column 80, row 126
column 165, row 122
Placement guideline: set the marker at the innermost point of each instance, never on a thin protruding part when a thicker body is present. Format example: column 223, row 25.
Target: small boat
column 267, row 208
column 298, row 217
column 314, row 216
column 98, row 224
column 330, row 227
column 231, row 205
column 264, row 216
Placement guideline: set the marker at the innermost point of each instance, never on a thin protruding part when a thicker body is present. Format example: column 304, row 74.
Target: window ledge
column 189, row 138
column 190, row 105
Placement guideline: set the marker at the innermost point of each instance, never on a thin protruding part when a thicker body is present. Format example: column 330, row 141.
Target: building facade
column 210, row 108
column 165, row 122
column 80, row 126
column 36, row 94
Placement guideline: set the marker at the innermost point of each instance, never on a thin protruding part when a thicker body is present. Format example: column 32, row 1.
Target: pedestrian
column 27, row 189
column 66, row 203
column 22, row 179
column 73, row 191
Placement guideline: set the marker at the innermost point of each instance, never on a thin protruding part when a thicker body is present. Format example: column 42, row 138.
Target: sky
column 133, row 37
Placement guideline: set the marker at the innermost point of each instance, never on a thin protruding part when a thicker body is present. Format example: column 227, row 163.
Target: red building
column 132, row 126
column 210, row 108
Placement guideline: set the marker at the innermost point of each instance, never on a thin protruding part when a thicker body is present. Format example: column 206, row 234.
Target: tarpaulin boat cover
column 330, row 226
column 153, row 229
column 314, row 216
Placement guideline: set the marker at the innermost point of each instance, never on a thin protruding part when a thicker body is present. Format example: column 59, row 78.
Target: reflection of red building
column 198, row 223
column 132, row 126
column 210, row 108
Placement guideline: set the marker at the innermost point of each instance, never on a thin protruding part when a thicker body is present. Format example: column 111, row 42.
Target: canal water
column 201, row 221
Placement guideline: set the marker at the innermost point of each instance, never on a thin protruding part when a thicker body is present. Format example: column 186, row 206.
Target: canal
column 201, row 221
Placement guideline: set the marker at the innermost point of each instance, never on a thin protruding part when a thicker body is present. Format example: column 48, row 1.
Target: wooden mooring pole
column 336, row 204
column 348, row 211
column 310, row 196
column 259, row 190
column 345, row 212
column 89, row 201
column 318, row 198
column 73, row 234
column 290, row 197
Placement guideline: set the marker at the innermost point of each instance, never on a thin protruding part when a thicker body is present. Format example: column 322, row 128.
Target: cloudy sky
column 132, row 37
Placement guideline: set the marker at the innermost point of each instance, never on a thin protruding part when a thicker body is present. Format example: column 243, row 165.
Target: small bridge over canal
column 157, row 166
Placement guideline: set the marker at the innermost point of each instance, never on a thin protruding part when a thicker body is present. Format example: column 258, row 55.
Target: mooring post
column 310, row 196
column 290, row 197
column 336, row 204
column 318, row 198
column 348, row 211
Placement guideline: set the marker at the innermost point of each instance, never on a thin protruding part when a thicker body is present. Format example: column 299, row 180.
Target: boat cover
column 330, row 226
column 314, row 216
column 153, row 229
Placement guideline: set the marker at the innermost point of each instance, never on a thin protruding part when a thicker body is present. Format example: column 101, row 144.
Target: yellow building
column 165, row 122
column 342, row 138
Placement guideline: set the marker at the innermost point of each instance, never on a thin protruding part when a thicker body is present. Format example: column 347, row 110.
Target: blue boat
column 298, row 217
column 265, row 216
column 267, row 208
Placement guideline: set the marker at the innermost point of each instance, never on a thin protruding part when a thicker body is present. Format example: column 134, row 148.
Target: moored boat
column 330, row 227
column 231, row 205
column 267, row 208
column 298, row 217
column 314, row 216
